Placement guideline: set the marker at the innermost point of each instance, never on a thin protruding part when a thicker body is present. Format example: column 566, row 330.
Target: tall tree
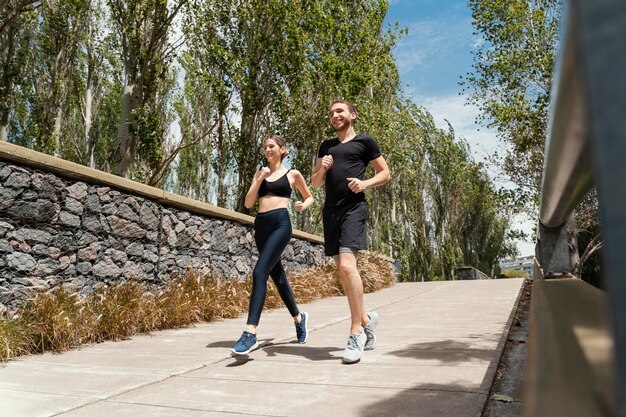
column 206, row 107
column 16, row 23
column 511, row 85
column 144, row 27
column 61, row 31
column 511, row 78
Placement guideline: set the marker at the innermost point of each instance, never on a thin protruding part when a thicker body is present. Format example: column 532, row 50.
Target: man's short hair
column 347, row 103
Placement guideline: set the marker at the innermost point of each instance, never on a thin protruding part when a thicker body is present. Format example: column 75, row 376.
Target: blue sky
column 431, row 58
column 438, row 47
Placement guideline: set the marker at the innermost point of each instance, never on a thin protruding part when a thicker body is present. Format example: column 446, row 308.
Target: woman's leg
column 284, row 289
column 272, row 234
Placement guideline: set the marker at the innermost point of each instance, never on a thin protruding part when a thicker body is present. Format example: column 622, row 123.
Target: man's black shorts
column 344, row 226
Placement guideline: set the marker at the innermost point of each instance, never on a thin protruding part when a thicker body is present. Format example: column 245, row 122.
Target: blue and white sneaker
column 370, row 330
column 302, row 331
column 246, row 344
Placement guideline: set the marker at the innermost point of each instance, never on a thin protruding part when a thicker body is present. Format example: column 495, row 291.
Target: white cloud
column 453, row 108
column 431, row 39
column 478, row 42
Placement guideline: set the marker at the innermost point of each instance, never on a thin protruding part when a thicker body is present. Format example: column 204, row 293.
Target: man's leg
column 353, row 287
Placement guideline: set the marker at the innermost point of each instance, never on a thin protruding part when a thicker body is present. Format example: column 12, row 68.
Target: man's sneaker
column 246, row 343
column 370, row 330
column 302, row 331
column 356, row 343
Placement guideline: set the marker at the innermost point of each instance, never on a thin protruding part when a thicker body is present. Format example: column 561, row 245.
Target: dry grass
column 57, row 321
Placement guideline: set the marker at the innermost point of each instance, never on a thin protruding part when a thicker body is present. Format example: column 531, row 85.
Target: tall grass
column 57, row 320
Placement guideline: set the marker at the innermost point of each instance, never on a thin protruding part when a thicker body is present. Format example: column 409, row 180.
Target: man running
column 341, row 164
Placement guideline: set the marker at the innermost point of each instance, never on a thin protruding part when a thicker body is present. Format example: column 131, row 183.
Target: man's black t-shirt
column 350, row 160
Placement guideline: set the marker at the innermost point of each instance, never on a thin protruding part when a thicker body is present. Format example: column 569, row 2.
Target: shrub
column 57, row 320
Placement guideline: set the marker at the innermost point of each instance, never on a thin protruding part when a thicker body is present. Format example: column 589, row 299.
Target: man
column 341, row 165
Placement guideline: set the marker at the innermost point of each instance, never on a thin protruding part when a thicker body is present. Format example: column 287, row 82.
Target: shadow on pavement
column 428, row 400
column 239, row 360
column 311, row 353
column 449, row 352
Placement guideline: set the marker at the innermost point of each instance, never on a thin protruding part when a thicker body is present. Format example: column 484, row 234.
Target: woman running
column 272, row 232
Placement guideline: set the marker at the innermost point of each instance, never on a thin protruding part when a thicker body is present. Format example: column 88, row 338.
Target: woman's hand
column 300, row 206
column 263, row 173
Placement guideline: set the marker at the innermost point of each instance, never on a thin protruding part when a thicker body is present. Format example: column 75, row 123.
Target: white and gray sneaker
column 354, row 349
column 370, row 330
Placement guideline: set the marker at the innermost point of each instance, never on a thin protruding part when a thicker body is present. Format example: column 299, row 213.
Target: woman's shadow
column 272, row 349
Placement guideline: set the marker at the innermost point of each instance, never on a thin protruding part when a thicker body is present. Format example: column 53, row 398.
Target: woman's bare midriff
column 272, row 202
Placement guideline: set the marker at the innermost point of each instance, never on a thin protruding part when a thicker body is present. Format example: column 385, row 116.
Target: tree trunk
column 374, row 216
column 88, row 121
column 89, row 95
column 6, row 82
column 56, row 133
column 246, row 164
column 51, row 107
column 221, row 163
column 126, row 141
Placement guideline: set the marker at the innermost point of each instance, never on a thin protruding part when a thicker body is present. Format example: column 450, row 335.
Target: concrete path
column 438, row 348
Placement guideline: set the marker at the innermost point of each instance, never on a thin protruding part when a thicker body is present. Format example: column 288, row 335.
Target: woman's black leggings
column 272, row 232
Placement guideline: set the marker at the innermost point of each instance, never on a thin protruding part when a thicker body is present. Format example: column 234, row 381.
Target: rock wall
column 81, row 235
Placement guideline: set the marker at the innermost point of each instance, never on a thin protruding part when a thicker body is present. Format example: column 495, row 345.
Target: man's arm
column 382, row 177
column 319, row 172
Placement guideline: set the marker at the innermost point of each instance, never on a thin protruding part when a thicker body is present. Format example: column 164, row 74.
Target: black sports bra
column 278, row 188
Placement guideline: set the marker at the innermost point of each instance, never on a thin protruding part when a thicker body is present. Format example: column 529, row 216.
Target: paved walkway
column 438, row 348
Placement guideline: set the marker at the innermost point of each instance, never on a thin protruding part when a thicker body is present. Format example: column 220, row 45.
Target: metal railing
column 586, row 146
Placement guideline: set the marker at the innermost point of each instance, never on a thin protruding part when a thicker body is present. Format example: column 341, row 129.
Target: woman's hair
column 280, row 141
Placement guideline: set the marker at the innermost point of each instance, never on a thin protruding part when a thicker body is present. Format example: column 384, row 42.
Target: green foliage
column 514, row 273
column 106, row 83
column 511, row 85
column 511, row 80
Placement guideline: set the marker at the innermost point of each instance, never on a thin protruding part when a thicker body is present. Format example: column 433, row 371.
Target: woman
column 272, row 232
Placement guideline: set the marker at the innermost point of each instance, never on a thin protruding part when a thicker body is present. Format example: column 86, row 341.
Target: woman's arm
column 304, row 191
column 253, row 192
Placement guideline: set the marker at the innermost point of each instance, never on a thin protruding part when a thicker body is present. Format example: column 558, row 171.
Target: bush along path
column 57, row 320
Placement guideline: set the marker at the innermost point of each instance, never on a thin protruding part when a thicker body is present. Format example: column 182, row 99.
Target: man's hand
column 356, row 185
column 327, row 161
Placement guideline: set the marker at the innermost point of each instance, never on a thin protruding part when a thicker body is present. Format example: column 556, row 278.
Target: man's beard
column 341, row 127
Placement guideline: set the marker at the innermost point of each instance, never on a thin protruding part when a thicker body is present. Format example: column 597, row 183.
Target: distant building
column 524, row 263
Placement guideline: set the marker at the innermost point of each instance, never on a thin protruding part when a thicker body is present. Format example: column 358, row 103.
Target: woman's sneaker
column 370, row 330
column 302, row 331
column 354, row 349
column 246, row 344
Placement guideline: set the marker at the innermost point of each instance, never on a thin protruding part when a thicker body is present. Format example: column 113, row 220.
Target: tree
column 11, row 10
column 16, row 21
column 511, row 80
column 347, row 54
column 96, row 74
column 143, row 27
column 206, row 106
column 61, row 31
column 511, row 85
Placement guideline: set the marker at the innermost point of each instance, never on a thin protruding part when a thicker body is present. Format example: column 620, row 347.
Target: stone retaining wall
column 82, row 235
